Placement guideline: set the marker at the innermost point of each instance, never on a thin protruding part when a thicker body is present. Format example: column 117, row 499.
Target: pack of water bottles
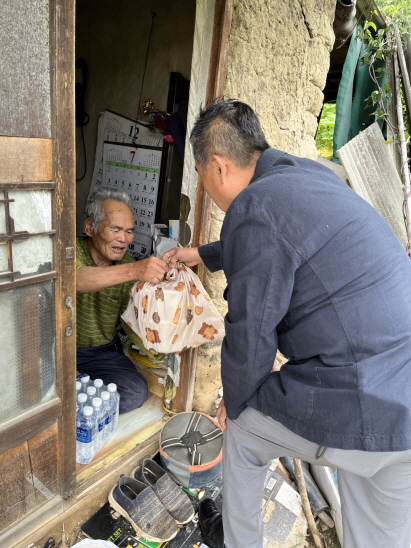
column 96, row 417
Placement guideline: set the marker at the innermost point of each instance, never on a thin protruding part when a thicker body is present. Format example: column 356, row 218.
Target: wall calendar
column 128, row 157
column 136, row 171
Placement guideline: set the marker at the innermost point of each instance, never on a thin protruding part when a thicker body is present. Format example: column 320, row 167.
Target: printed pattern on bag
column 175, row 314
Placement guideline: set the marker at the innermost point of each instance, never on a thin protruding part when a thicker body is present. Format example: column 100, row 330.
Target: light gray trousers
column 375, row 488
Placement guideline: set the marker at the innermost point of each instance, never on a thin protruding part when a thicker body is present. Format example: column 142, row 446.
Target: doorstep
column 133, row 428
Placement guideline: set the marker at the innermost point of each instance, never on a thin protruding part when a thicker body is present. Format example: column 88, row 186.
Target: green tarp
column 352, row 114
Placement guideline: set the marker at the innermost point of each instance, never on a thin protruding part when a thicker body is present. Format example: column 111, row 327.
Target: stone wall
column 278, row 61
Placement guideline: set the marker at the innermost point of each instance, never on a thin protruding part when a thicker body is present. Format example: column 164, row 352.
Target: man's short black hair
column 228, row 128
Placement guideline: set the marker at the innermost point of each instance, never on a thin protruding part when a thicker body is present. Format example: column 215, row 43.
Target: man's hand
column 96, row 278
column 222, row 415
column 151, row 270
column 186, row 255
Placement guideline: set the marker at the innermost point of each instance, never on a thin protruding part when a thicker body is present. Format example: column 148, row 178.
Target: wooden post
column 405, row 177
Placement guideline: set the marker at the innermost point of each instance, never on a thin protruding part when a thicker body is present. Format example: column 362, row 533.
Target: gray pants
column 375, row 488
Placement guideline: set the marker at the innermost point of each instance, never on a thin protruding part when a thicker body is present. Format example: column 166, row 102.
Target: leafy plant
column 379, row 43
column 325, row 131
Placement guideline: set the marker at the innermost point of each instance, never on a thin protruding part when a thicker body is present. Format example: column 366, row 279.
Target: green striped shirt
column 98, row 313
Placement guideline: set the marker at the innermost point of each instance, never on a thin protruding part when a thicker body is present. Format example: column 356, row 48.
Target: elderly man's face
column 114, row 234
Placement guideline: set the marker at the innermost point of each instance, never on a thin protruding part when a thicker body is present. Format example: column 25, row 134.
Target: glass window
column 34, row 255
column 4, row 263
column 2, row 217
column 27, row 340
column 31, row 210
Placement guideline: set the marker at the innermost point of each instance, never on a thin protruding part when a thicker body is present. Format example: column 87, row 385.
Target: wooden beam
column 42, row 185
column 18, row 430
column 215, row 88
column 25, row 159
column 62, row 22
column 217, row 72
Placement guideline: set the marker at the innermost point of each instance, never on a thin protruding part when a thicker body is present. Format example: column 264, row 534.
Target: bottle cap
column 81, row 398
column 105, row 395
column 85, row 379
column 112, row 387
column 91, row 390
column 87, row 411
column 98, row 383
column 97, row 402
column 78, row 385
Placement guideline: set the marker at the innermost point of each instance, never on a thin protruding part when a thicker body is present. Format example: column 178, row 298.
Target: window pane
column 31, row 210
column 2, row 216
column 27, row 342
column 33, row 255
column 4, row 264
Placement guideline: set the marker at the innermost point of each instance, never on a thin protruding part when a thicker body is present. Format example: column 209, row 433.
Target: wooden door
column 37, row 280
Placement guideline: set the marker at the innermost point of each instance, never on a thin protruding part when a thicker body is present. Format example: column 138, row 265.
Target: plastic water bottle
column 98, row 383
column 91, row 393
column 81, row 403
column 115, row 402
column 86, row 431
column 85, row 380
column 108, row 414
column 78, row 390
column 99, row 416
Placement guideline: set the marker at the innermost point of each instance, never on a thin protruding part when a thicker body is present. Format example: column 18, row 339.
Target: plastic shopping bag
column 173, row 315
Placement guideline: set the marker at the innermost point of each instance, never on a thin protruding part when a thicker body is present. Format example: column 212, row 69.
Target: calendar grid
column 136, row 171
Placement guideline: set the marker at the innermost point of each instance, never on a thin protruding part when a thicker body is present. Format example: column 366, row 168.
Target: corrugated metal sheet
column 372, row 174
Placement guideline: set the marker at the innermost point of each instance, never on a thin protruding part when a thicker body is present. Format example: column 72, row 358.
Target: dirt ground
column 328, row 537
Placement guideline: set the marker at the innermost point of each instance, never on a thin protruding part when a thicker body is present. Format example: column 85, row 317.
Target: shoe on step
column 174, row 499
column 210, row 521
column 139, row 505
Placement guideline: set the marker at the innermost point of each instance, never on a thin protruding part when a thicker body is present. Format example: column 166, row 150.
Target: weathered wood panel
column 19, row 429
column 25, row 68
column 63, row 134
column 28, row 476
column 372, row 174
column 25, row 160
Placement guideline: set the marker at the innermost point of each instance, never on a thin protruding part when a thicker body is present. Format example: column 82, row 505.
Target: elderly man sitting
column 105, row 273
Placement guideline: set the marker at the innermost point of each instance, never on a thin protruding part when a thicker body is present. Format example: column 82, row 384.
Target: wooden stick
column 406, row 185
column 306, row 504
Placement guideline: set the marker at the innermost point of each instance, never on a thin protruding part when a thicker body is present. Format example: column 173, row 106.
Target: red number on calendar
column 132, row 152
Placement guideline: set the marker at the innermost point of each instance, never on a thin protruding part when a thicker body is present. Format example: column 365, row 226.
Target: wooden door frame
column 62, row 48
column 217, row 72
column 54, row 171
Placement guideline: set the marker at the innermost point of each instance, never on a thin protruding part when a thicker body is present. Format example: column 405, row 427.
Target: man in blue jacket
column 316, row 272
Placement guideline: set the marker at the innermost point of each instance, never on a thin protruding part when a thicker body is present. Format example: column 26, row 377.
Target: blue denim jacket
column 316, row 272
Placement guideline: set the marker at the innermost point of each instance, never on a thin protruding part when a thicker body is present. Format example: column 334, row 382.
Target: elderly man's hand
column 151, row 270
column 186, row 255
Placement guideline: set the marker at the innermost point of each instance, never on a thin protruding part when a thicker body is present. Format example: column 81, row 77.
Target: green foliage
column 325, row 131
column 378, row 44
column 399, row 13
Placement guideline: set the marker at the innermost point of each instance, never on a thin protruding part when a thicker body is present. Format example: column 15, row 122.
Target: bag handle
column 172, row 273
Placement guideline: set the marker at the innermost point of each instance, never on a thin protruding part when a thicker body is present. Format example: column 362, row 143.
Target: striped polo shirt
column 98, row 313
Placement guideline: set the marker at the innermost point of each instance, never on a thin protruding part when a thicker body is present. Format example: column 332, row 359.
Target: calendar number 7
column 132, row 152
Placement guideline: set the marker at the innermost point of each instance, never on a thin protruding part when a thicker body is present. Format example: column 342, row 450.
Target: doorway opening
column 133, row 66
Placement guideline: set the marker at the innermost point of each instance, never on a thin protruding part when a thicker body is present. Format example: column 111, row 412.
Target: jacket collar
column 267, row 159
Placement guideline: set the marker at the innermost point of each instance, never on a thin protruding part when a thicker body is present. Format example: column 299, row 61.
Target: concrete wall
column 278, row 62
column 112, row 36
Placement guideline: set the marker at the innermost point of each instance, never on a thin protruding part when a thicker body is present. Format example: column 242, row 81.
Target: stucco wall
column 277, row 62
